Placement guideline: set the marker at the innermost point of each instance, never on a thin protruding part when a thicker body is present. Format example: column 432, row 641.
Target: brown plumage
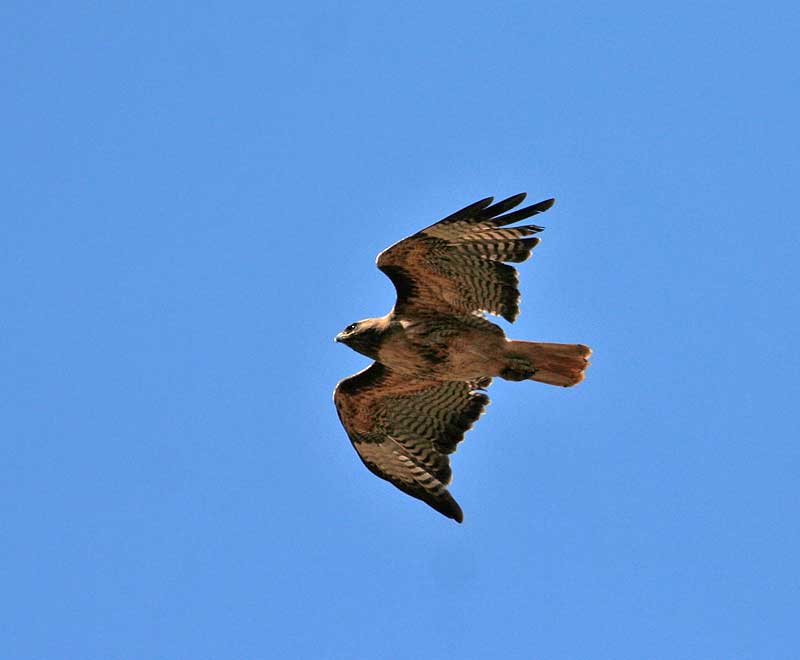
column 435, row 351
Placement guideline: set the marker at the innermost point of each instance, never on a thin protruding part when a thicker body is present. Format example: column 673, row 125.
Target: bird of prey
column 435, row 352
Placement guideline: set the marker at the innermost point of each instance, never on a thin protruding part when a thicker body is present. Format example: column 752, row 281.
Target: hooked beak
column 338, row 338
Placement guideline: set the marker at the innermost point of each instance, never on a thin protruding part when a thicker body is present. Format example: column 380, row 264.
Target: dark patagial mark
column 403, row 283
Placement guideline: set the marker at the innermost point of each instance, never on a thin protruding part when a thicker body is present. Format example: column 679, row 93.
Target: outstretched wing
column 404, row 428
column 456, row 265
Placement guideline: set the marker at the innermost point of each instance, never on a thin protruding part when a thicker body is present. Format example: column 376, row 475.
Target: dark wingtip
column 515, row 200
column 468, row 211
column 502, row 206
column 457, row 514
column 447, row 506
column 521, row 214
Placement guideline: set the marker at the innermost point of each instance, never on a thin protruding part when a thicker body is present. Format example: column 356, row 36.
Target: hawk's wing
column 456, row 265
column 404, row 428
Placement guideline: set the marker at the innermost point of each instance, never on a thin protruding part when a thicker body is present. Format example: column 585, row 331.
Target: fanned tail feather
column 555, row 364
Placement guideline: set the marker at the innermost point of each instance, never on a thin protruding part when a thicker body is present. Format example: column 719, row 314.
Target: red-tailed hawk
column 435, row 351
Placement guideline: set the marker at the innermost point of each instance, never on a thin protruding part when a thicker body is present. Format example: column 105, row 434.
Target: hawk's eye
column 351, row 327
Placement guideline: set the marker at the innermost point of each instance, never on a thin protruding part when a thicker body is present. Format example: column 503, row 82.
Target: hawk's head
column 364, row 336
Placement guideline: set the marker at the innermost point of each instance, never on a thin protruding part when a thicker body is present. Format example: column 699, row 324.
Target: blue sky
column 194, row 194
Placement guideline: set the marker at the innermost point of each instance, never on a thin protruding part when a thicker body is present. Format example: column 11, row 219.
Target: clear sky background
column 193, row 196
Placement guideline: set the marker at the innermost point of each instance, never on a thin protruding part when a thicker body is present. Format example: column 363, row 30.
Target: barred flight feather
column 459, row 261
column 404, row 429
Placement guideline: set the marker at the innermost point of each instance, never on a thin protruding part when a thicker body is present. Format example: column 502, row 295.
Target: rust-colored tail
column 556, row 364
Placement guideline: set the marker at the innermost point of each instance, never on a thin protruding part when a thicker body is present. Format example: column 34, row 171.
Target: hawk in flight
column 435, row 353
